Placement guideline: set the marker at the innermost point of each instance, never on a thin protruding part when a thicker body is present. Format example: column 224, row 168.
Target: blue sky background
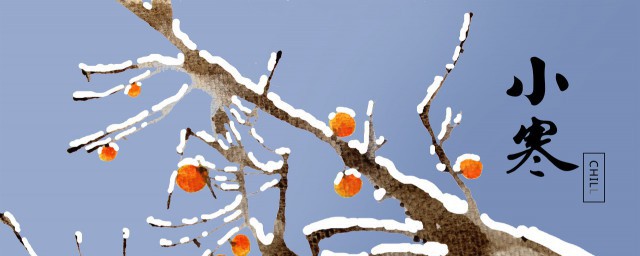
column 336, row 53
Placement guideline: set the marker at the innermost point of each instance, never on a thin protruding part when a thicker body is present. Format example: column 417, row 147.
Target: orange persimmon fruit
column 471, row 169
column 192, row 178
column 342, row 124
column 107, row 153
column 240, row 245
column 134, row 90
column 349, row 186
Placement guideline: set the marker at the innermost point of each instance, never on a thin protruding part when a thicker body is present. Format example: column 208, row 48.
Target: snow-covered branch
column 9, row 220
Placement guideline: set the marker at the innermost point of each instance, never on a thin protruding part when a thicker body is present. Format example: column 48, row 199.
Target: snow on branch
column 536, row 235
column 265, row 239
column 411, row 226
column 270, row 166
column 428, row 248
column 182, row 36
column 451, row 202
column 95, row 140
column 87, row 95
column 9, row 220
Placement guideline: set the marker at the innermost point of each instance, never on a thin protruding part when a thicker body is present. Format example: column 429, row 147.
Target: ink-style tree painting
column 434, row 222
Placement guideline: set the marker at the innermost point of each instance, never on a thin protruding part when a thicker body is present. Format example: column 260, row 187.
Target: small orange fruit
column 349, row 186
column 342, row 124
column 192, row 178
column 107, row 153
column 471, row 169
column 240, row 245
column 134, row 90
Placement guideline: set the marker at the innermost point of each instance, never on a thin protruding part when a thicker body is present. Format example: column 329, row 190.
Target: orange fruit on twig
column 107, row 152
column 134, row 89
column 348, row 186
column 471, row 169
column 342, row 124
column 192, row 178
column 240, row 245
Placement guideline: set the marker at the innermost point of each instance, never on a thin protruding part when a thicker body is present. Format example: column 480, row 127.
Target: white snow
column 270, row 166
column 330, row 253
column 380, row 140
column 451, row 202
column 353, row 172
column 204, row 234
column 429, row 248
column 147, row 5
column 85, row 139
column 232, row 216
column 230, row 169
column 300, row 114
column 229, row 186
column 269, row 184
column 235, row 131
column 409, row 225
column 198, row 160
column 172, row 181
column 131, row 121
column 158, row 222
column 237, row 115
column 449, row 66
column 220, row 178
column 166, row 60
column 456, row 53
column 445, row 123
column 228, row 235
column 458, row 118
column 125, row 133
column 144, row 124
column 536, row 235
column 465, row 27
column 272, row 61
column 257, row 88
column 332, row 115
column 437, row 82
column 140, row 77
column 346, row 110
column 283, row 151
column 432, row 149
column 183, row 141
column 175, row 26
column 456, row 166
column 78, row 237
column 97, row 144
column 184, row 239
column 207, row 252
column 166, row 242
column 379, row 194
column 361, row 146
column 105, row 68
column 370, row 108
column 206, row 136
column 171, row 100
column 90, row 94
column 339, row 177
column 265, row 239
column 441, row 167
column 28, row 246
column 189, row 221
column 222, row 145
column 114, row 146
column 125, row 233
column 14, row 222
column 228, row 137
column 230, row 207
column 236, row 101
column 256, row 136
